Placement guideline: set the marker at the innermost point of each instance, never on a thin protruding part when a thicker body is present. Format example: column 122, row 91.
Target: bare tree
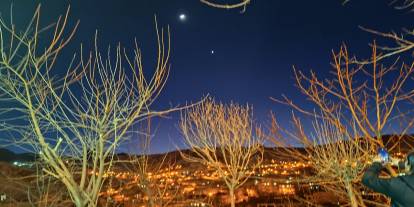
column 75, row 122
column 337, row 156
column 224, row 138
column 362, row 92
column 357, row 103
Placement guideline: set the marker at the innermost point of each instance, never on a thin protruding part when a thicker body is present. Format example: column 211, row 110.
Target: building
column 3, row 197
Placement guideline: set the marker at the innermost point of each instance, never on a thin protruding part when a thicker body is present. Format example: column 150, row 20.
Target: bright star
column 212, row 51
column 182, row 17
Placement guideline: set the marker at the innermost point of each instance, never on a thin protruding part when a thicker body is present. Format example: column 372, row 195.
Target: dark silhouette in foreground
column 400, row 189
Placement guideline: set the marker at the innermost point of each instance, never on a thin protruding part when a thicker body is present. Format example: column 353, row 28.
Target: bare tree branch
column 222, row 137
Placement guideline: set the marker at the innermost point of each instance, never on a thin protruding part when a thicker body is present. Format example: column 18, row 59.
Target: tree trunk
column 148, row 192
column 351, row 195
column 232, row 197
column 78, row 203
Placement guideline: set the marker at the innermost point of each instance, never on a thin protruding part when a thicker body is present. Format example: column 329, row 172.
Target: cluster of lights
column 282, row 168
column 23, row 164
column 204, row 182
column 313, row 186
column 198, row 204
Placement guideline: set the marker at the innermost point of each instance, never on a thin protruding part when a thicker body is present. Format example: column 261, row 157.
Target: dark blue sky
column 253, row 51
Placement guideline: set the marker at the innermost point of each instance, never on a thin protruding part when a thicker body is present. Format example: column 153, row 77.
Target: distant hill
column 9, row 156
column 399, row 143
column 6, row 155
column 402, row 144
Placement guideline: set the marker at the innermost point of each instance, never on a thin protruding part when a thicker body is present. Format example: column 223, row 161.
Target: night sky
column 253, row 51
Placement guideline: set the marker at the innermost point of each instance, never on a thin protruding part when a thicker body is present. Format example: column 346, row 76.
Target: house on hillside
column 3, row 197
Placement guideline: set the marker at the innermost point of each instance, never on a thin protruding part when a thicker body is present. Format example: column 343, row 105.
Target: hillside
column 9, row 156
